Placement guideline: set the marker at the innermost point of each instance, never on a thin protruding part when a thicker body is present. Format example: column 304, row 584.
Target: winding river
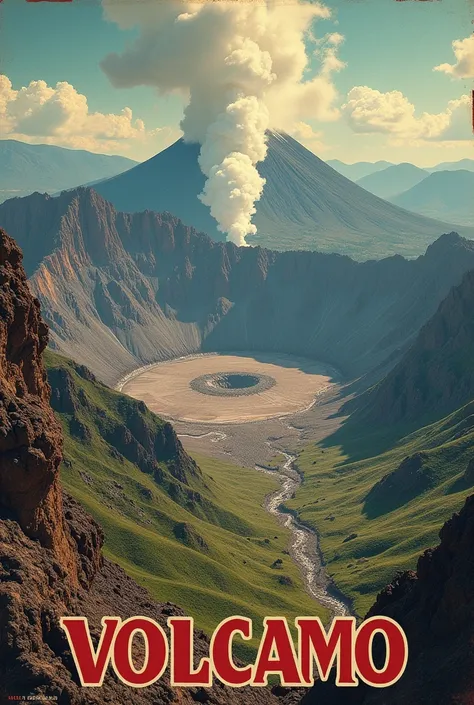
column 304, row 543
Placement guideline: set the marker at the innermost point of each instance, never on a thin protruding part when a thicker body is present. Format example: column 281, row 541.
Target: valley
column 304, row 544
column 298, row 480
column 196, row 534
column 151, row 306
column 298, row 384
column 236, row 353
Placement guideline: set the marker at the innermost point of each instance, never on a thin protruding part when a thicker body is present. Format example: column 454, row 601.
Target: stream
column 304, row 544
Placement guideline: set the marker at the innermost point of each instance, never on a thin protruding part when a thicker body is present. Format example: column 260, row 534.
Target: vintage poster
column 237, row 352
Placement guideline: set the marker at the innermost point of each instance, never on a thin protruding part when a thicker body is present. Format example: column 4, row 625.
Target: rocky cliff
column 30, row 437
column 435, row 607
column 436, row 375
column 121, row 290
column 51, row 563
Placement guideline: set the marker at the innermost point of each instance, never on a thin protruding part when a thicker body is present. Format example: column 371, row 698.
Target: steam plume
column 241, row 66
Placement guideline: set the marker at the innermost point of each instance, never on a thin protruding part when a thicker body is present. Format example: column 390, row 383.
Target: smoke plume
column 242, row 67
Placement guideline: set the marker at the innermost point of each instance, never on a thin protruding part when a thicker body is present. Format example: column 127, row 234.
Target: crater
column 231, row 384
column 234, row 380
column 232, row 388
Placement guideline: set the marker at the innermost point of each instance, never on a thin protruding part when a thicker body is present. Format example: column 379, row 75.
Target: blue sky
column 387, row 46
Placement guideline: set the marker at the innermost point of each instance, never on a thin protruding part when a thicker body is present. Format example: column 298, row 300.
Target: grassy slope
column 231, row 574
column 332, row 499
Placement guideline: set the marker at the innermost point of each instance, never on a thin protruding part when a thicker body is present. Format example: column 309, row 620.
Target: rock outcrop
column 30, row 436
column 435, row 607
column 436, row 375
column 51, row 564
column 120, row 290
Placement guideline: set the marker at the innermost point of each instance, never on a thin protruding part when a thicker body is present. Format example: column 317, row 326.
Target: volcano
column 306, row 205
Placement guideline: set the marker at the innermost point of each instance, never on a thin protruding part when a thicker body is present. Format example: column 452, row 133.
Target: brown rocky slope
column 50, row 550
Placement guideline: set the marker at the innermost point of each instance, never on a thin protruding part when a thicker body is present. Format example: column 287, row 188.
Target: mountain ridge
column 122, row 290
column 305, row 203
column 443, row 194
column 358, row 170
column 393, row 180
column 433, row 378
column 25, row 168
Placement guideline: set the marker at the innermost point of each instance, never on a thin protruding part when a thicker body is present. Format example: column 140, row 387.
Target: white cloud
column 60, row 115
column 327, row 52
column 368, row 110
column 242, row 67
column 464, row 52
column 307, row 135
column 460, row 122
column 256, row 48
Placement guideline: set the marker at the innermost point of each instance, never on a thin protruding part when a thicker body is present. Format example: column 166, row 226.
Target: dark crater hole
column 235, row 381
column 232, row 383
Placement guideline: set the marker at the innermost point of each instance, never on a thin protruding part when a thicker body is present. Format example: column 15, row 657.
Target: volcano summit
column 306, row 205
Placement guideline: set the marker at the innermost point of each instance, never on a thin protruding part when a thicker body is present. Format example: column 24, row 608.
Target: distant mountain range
column 25, row 168
column 357, row 171
column 447, row 195
column 393, row 180
column 305, row 204
column 122, row 290
column 453, row 166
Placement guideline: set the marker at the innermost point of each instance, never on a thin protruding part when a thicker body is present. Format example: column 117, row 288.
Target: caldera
column 213, row 388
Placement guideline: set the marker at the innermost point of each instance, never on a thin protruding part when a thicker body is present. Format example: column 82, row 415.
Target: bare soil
column 166, row 387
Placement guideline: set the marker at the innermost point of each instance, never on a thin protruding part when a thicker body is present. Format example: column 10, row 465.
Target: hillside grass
column 224, row 567
column 332, row 499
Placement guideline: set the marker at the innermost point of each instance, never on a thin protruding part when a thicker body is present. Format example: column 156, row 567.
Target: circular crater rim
column 232, row 384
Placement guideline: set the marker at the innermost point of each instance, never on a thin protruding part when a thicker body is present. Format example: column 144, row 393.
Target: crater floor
column 167, row 387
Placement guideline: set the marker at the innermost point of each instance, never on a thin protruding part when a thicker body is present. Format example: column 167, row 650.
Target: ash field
column 215, row 388
column 247, row 407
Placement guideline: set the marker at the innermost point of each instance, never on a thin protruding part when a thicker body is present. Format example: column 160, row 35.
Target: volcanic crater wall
column 122, row 290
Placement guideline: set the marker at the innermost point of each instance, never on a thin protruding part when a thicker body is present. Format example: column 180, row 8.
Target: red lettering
column 316, row 645
column 182, row 672
column 221, row 651
column 91, row 667
column 396, row 652
column 156, row 652
column 342, row 647
column 276, row 654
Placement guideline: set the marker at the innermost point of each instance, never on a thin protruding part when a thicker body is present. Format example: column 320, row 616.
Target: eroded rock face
column 30, row 436
column 34, row 653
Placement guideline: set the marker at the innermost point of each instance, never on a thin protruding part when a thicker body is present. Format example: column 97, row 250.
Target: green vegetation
column 368, row 533
column 197, row 537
